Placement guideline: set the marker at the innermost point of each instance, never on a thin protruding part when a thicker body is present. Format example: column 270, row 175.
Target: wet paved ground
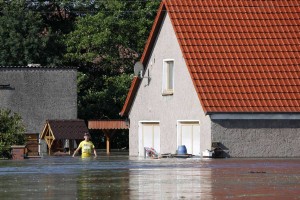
column 121, row 177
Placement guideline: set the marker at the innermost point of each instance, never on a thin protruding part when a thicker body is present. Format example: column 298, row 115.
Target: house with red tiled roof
column 219, row 74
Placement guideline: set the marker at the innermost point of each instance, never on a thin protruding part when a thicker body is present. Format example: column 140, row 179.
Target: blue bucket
column 181, row 150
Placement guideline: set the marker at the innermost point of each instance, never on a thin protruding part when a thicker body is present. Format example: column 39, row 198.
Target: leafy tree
column 105, row 46
column 61, row 15
column 113, row 38
column 24, row 38
column 11, row 132
column 105, row 103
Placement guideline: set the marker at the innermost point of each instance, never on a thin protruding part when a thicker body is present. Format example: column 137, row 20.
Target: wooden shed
column 57, row 132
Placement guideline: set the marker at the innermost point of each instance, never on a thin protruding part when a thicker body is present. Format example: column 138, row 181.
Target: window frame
column 166, row 77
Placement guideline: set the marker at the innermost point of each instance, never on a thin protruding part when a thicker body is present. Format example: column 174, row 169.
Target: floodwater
column 119, row 176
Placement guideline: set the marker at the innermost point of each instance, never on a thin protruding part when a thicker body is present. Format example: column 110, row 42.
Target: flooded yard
column 119, row 176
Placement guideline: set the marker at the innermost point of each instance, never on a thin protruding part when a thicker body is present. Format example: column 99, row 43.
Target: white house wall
column 151, row 105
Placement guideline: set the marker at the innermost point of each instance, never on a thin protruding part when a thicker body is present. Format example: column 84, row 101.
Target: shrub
column 11, row 132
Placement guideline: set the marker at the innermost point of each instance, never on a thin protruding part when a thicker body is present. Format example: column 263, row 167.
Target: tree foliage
column 24, row 37
column 11, row 132
column 61, row 15
column 112, row 39
column 101, row 97
column 105, row 45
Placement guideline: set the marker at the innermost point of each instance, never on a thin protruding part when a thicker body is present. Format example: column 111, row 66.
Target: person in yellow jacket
column 86, row 146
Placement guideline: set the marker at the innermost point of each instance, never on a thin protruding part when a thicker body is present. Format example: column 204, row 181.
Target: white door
column 188, row 134
column 149, row 136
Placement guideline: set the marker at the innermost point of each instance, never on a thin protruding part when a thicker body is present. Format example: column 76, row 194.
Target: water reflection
column 122, row 177
column 170, row 183
column 103, row 185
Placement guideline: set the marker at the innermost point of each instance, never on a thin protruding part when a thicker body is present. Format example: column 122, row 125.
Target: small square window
column 168, row 77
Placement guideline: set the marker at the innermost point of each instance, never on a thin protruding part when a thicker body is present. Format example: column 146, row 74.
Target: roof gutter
column 248, row 116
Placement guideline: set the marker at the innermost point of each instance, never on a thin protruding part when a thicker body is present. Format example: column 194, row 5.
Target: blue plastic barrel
column 181, row 150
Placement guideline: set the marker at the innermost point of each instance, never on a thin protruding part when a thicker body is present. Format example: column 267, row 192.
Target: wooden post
column 107, row 142
column 49, row 147
column 71, row 149
column 108, row 134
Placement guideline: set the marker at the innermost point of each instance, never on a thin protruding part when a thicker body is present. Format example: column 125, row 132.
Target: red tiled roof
column 243, row 55
column 107, row 124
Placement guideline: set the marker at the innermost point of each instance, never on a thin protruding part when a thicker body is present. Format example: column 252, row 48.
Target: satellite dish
column 138, row 69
